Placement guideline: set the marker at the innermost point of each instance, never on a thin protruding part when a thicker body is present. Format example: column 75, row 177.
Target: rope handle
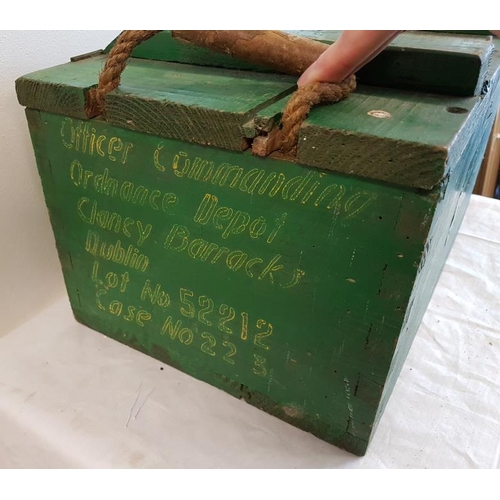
column 296, row 110
column 299, row 105
column 110, row 75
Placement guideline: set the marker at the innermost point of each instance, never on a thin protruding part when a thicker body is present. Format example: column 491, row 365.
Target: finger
column 351, row 51
column 372, row 56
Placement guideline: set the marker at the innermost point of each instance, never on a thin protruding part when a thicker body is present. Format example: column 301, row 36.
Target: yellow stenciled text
column 82, row 137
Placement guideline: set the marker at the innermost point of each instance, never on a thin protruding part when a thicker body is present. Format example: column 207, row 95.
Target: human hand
column 347, row 55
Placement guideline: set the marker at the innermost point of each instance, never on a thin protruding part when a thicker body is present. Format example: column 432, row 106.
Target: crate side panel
column 280, row 284
column 463, row 165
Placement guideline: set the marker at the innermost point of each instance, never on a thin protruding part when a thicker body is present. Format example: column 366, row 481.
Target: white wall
column 30, row 276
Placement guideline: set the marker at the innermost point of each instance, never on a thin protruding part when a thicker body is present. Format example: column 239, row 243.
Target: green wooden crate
column 297, row 286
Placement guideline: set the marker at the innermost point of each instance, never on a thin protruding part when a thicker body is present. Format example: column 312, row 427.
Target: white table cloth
column 71, row 397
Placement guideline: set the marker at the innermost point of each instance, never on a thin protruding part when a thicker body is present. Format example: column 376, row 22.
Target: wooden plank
column 396, row 137
column 192, row 103
column 442, row 63
column 61, row 89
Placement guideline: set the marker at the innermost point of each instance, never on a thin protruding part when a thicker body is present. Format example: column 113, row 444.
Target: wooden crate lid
column 380, row 132
column 444, row 63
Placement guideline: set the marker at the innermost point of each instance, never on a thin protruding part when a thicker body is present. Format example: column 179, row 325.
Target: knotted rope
column 296, row 110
